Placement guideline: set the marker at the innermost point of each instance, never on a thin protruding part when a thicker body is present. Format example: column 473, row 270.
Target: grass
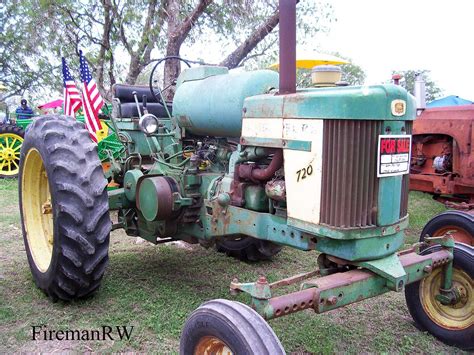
column 155, row 288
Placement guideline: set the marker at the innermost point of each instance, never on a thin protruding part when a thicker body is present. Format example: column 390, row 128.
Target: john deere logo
column 398, row 107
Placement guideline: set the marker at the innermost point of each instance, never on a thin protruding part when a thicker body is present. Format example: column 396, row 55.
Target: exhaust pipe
column 420, row 92
column 287, row 10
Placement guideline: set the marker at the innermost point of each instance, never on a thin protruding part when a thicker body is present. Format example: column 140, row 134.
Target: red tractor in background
column 442, row 164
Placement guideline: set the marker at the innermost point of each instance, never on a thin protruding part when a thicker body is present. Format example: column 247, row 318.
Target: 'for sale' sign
column 393, row 155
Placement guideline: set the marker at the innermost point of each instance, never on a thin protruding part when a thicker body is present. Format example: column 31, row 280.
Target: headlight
column 148, row 123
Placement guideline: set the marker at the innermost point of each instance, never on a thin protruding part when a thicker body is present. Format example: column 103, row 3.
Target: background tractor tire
column 11, row 139
column 64, row 208
column 453, row 325
column 460, row 223
column 223, row 327
column 248, row 248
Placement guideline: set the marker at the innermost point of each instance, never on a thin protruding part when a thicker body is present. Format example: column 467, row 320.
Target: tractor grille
column 349, row 182
column 405, row 181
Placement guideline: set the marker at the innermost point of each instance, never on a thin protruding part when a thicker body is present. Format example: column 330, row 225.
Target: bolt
column 428, row 269
column 332, row 300
column 128, row 186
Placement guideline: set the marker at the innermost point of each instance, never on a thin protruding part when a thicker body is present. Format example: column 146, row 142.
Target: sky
column 381, row 36
column 385, row 35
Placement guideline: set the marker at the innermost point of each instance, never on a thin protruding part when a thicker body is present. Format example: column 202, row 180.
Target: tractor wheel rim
column 37, row 210
column 459, row 234
column 211, row 345
column 10, row 145
column 457, row 316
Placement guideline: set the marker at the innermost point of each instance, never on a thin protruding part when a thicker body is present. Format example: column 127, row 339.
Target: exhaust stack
column 420, row 92
column 287, row 10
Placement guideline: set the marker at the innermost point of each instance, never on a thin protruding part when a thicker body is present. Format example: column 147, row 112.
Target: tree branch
column 235, row 58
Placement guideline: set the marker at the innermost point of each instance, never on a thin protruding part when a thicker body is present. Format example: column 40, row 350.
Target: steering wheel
column 156, row 93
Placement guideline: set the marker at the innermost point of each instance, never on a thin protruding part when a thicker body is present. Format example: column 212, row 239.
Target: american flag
column 72, row 97
column 92, row 102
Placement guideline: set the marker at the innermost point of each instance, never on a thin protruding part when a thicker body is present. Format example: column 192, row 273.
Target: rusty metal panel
column 350, row 184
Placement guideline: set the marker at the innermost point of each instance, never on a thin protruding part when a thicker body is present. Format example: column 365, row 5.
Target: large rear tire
column 11, row 139
column 452, row 324
column 247, row 248
column 228, row 327
column 64, row 208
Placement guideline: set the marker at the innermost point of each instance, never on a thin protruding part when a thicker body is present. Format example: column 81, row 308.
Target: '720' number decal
column 303, row 173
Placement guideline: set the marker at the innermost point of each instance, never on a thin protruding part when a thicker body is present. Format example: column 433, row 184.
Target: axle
column 338, row 289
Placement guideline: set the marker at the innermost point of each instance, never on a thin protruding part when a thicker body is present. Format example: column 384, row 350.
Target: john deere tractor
column 248, row 164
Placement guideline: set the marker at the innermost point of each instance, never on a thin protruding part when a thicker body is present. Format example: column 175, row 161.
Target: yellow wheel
column 64, row 208
column 212, row 345
column 227, row 327
column 11, row 139
column 451, row 323
column 37, row 211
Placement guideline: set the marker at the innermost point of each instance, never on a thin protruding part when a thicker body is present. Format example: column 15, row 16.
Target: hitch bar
column 335, row 290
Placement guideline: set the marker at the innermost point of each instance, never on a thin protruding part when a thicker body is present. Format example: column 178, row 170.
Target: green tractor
column 12, row 133
column 11, row 139
column 248, row 164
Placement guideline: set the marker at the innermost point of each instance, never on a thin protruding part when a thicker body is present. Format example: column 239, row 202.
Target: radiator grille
column 349, row 183
column 405, row 181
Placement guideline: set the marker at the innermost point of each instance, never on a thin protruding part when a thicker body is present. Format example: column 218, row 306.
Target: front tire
column 228, row 327
column 452, row 324
column 461, row 225
column 64, row 208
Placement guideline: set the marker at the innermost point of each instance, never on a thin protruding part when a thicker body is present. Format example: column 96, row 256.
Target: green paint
column 149, row 202
column 361, row 249
column 349, row 233
column 277, row 143
column 130, row 182
column 351, row 102
column 117, row 199
column 389, row 268
column 213, row 106
column 389, row 200
column 255, row 198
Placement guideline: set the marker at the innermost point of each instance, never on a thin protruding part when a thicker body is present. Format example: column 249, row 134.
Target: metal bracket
column 259, row 291
column 389, row 268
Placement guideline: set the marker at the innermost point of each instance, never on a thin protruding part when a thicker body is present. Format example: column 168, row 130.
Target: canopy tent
column 310, row 60
column 53, row 104
column 451, row 100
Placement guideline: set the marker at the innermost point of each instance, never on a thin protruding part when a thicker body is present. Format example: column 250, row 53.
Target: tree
column 118, row 37
column 408, row 82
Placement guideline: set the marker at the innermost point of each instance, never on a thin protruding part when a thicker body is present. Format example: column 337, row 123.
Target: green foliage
column 117, row 40
column 433, row 91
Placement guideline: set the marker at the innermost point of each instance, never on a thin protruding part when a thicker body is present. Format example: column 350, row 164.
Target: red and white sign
column 394, row 155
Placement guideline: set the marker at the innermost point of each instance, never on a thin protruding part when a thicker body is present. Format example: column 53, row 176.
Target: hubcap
column 457, row 316
column 10, row 145
column 210, row 345
column 37, row 210
column 460, row 235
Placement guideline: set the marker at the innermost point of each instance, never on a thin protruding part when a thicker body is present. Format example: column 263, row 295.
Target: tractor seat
column 124, row 102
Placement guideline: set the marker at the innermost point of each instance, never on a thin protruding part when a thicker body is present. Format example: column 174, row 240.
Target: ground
column 155, row 288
